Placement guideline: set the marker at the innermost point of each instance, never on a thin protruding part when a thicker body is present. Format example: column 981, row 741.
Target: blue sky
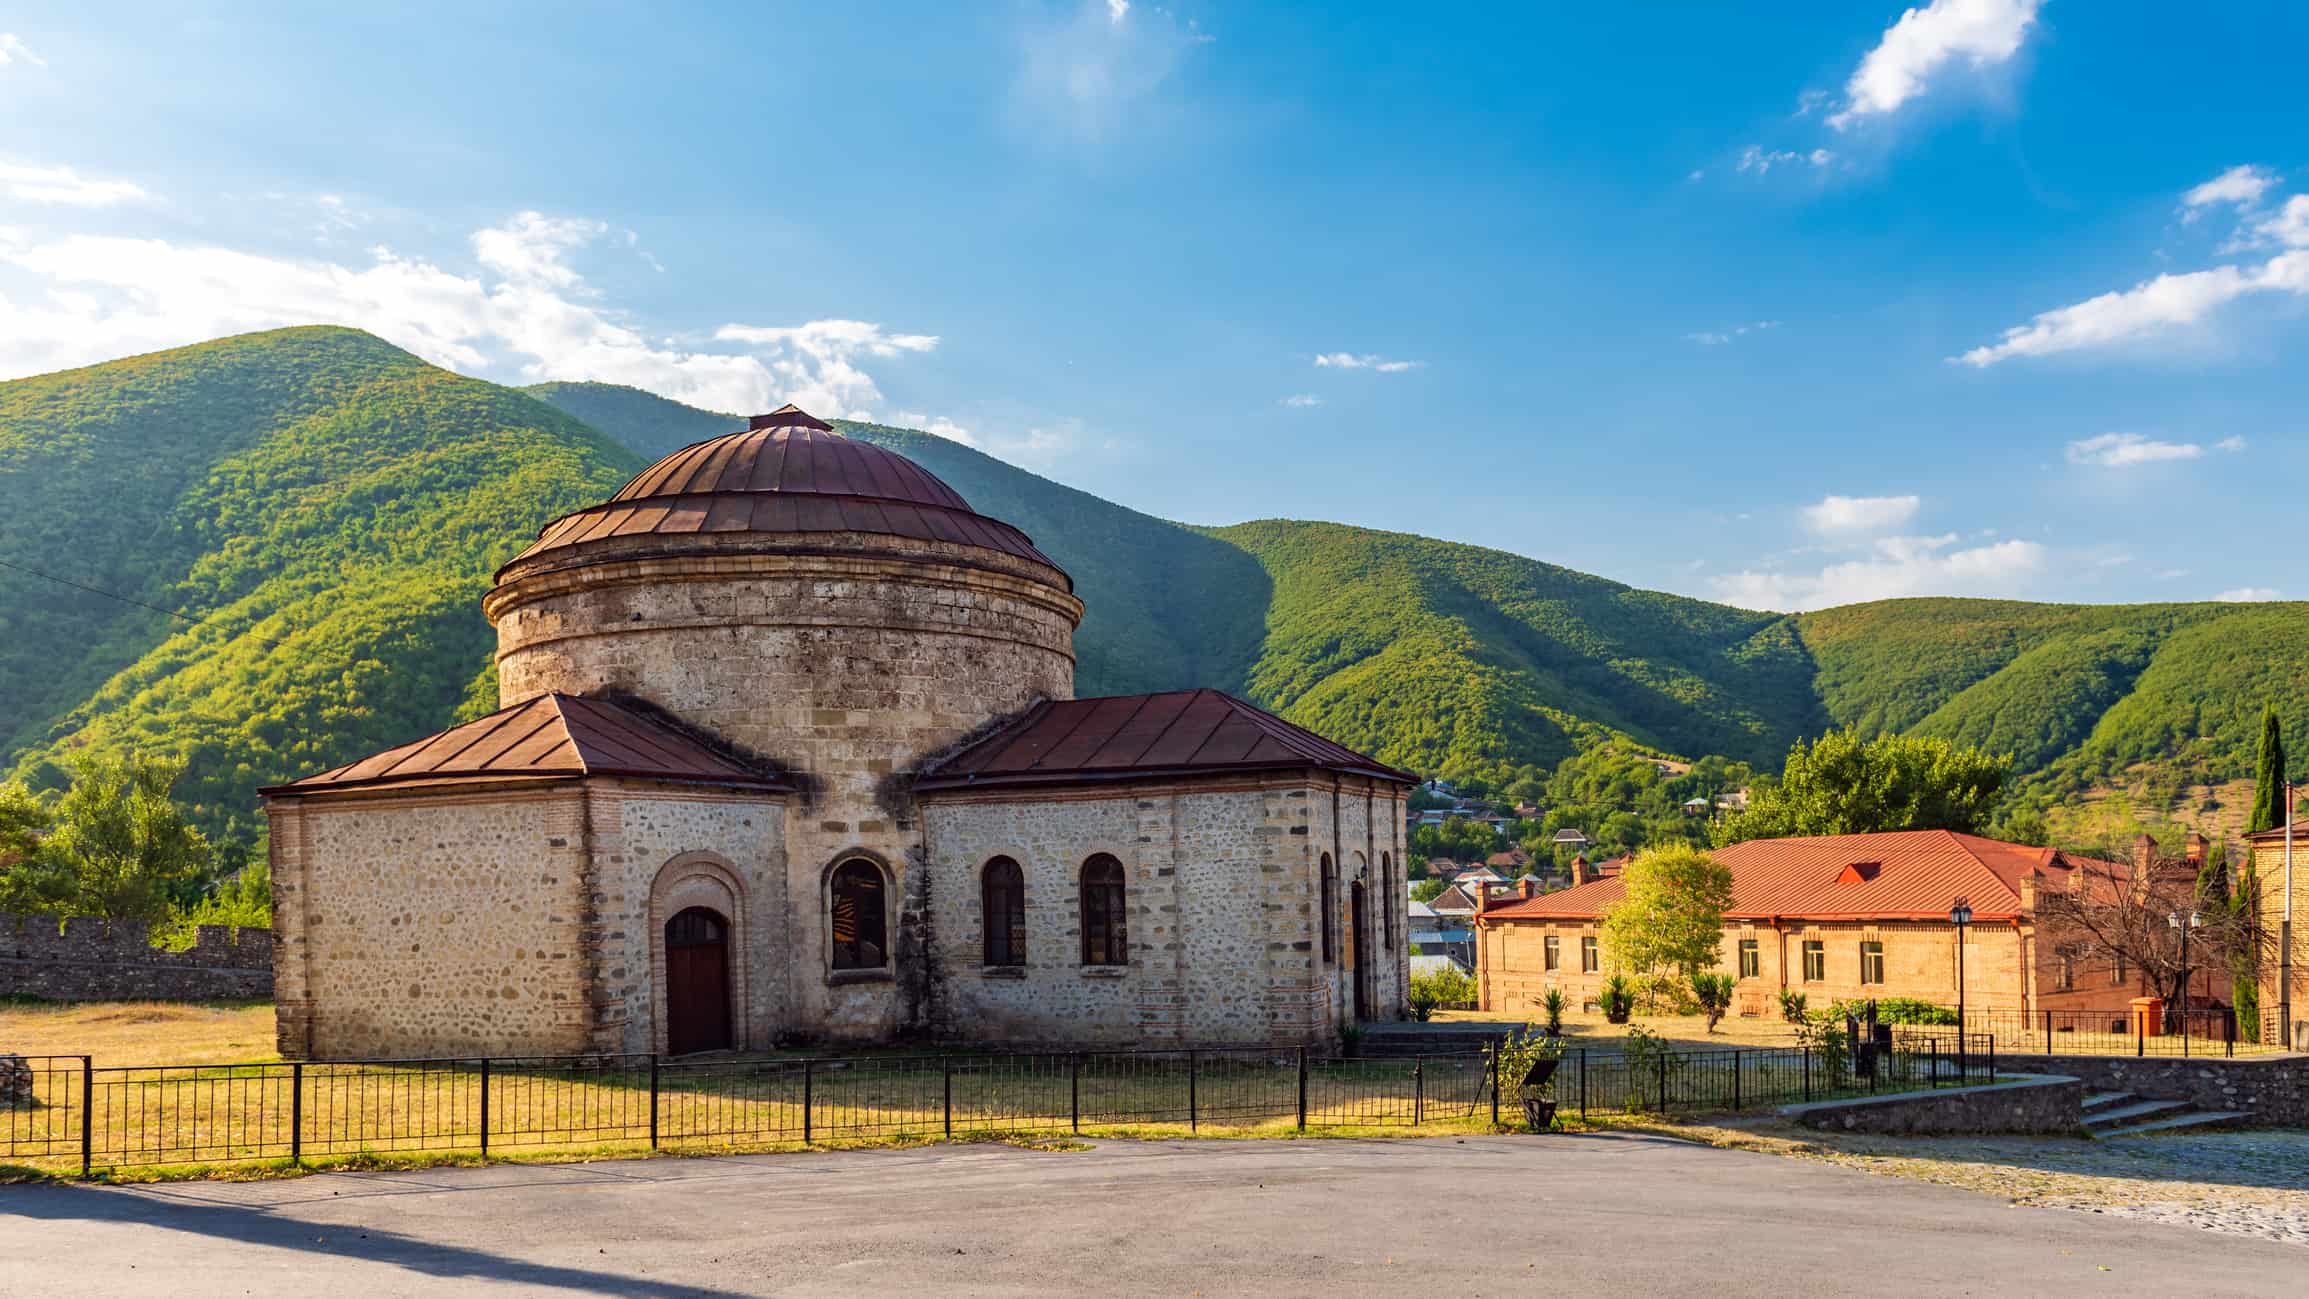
column 1990, row 297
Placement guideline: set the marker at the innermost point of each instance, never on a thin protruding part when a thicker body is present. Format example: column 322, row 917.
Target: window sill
column 1002, row 972
column 836, row 978
column 1104, row 971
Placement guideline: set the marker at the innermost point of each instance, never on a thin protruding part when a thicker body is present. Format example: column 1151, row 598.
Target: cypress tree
column 2269, row 778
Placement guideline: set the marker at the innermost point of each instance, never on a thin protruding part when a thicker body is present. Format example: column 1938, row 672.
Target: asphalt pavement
column 1508, row 1215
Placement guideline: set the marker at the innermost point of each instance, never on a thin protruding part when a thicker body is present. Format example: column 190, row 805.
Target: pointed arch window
column 1105, row 936
column 1002, row 899
column 856, row 898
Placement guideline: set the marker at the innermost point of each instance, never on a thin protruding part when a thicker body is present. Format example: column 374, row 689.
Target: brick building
column 1846, row 917
column 789, row 750
column 2283, row 898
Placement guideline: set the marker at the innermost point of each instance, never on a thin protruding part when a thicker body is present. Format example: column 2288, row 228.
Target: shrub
column 1521, row 1050
column 1618, row 999
column 1896, row 1010
column 1553, row 1005
column 1831, row 1049
column 1792, row 1006
column 1714, row 993
column 1442, row 987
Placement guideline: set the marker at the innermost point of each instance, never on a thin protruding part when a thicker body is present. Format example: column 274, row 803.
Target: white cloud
column 2152, row 306
column 1087, row 76
column 2124, row 450
column 14, row 50
column 1927, row 40
column 84, row 298
column 2230, row 444
column 1302, row 399
column 934, row 425
column 2250, row 594
column 1117, row 10
column 1896, row 566
column 1363, row 361
column 1755, row 158
column 2238, row 186
column 1718, row 337
column 1846, row 516
column 2289, row 225
column 63, row 186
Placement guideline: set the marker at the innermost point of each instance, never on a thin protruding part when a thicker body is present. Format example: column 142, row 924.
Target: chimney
column 2144, row 855
column 1482, row 897
column 2196, row 848
column 1580, row 874
column 1525, row 887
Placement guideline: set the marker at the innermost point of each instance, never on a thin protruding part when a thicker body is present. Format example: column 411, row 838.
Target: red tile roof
column 1134, row 737
column 549, row 737
column 786, row 472
column 1916, row 875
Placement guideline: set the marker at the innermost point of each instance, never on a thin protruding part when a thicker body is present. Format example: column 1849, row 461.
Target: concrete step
column 2125, row 1116
column 2198, row 1119
column 2099, row 1101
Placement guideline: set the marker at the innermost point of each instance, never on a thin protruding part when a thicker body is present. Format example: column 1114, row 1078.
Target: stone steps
column 2122, row 1114
column 2193, row 1119
column 2117, row 1117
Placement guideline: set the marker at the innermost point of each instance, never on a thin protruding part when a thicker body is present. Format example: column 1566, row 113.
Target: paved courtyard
column 1607, row 1214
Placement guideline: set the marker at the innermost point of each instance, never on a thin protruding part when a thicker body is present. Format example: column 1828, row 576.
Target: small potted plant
column 1527, row 1061
column 1618, row 998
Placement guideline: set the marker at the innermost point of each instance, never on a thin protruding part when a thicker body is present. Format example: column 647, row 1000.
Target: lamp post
column 1960, row 915
column 2184, row 924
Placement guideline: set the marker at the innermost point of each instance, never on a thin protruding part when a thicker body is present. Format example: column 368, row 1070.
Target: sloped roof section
column 553, row 736
column 786, row 472
column 1132, row 737
column 1899, row 875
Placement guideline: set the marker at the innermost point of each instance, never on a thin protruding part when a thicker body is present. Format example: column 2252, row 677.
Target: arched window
column 1002, row 897
column 1330, row 903
column 1105, row 939
column 1390, row 903
column 861, row 929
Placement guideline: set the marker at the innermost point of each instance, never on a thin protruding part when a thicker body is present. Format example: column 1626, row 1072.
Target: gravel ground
column 2252, row 1183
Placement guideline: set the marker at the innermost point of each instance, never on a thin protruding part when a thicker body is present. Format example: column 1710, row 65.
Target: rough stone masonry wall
column 848, row 669
column 2039, row 1106
column 108, row 960
column 437, row 924
column 2273, row 1089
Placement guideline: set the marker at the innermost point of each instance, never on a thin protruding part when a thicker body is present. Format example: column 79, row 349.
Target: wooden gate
column 697, row 982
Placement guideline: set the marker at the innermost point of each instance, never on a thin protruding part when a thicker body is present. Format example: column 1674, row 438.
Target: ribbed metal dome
column 786, row 472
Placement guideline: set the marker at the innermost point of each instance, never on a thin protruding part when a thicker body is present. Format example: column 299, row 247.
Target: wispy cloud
column 1758, row 160
column 1084, row 77
column 1302, row 399
column 2125, row 450
column 1892, row 567
column 1847, row 516
column 1363, row 361
column 934, row 425
column 1718, row 337
column 14, row 50
column 1924, row 43
column 63, row 186
column 2240, row 187
column 2250, row 594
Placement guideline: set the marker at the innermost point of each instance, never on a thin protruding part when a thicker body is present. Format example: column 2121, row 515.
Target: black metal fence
column 73, row 1113
column 1590, row 1081
column 2118, row 1032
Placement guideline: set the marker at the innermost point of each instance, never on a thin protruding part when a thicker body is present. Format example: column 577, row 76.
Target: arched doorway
column 1359, row 949
column 697, row 981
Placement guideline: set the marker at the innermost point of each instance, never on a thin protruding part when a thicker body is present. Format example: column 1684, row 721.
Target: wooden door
column 1359, row 949
column 697, row 982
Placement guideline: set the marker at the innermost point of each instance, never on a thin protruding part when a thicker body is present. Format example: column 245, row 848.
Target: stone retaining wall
column 2037, row 1106
column 2273, row 1089
column 87, row 959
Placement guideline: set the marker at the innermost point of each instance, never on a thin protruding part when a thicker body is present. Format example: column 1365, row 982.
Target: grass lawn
column 1690, row 1032
column 141, row 1032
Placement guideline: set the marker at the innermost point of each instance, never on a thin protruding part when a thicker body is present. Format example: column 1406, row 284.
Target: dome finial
column 788, row 416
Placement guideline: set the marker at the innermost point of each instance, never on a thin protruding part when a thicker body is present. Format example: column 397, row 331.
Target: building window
column 1552, row 949
column 1589, row 962
column 1815, row 961
column 1105, row 940
column 2065, row 973
column 1330, row 902
column 1872, row 962
column 1751, row 961
column 2119, row 972
column 861, row 933
column 1002, row 900
column 1391, row 905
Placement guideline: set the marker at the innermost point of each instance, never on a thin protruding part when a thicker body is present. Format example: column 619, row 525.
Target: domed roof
column 785, row 472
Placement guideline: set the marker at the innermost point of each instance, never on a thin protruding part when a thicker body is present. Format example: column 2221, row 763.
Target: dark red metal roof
column 551, row 736
column 785, row 472
column 1125, row 737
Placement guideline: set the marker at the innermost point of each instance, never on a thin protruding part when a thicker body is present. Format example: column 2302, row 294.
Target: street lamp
column 1960, row 915
column 2184, row 924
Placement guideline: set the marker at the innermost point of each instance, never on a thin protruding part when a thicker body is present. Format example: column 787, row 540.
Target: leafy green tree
column 1671, row 918
column 26, row 882
column 1842, row 784
column 2269, row 775
column 121, row 846
column 1427, row 890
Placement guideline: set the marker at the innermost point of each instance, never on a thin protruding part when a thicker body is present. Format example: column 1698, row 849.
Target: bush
column 1831, row 1049
column 1618, row 999
column 1896, row 1010
column 1792, row 1006
column 1714, row 993
column 1443, row 987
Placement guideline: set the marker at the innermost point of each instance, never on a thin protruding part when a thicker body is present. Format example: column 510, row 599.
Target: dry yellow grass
column 119, row 1033
column 1687, row 1031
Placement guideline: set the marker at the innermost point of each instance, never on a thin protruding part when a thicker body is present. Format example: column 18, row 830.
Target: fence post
column 297, row 1112
column 2140, row 1034
column 1302, row 1089
column 946, row 1091
column 1495, row 1084
column 2048, row 1032
column 1583, row 1084
column 1807, row 1073
column 1074, row 1093
column 1992, row 1057
column 1192, row 1077
column 485, row 1107
column 1418, row 1090
column 653, row 1100
column 87, row 1113
column 2229, row 1031
column 809, row 1080
column 1663, row 1082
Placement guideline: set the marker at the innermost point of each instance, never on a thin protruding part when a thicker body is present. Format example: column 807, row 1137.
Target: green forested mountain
column 325, row 510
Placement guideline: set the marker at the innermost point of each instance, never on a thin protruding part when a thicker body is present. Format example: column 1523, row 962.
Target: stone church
column 789, row 751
